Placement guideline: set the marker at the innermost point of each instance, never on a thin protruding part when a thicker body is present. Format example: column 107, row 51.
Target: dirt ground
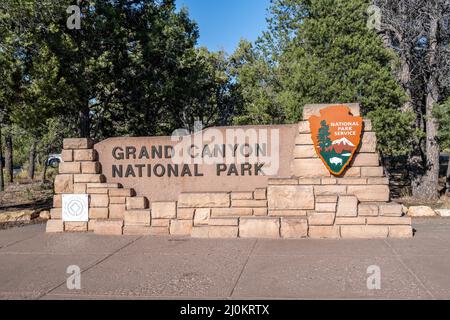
column 27, row 198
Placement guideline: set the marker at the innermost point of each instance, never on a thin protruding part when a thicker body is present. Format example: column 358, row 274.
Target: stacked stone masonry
column 309, row 203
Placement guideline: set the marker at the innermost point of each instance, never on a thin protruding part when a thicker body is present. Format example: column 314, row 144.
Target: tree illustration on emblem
column 324, row 137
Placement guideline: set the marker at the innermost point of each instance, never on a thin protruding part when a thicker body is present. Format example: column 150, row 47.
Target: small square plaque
column 75, row 207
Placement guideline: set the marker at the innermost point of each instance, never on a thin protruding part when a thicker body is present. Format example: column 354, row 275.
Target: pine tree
column 324, row 136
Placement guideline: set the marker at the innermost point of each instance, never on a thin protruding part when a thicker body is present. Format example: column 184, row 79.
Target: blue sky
column 222, row 23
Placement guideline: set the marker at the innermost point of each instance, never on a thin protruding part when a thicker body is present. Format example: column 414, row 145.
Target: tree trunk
column 9, row 155
column 426, row 184
column 32, row 161
column 448, row 178
column 84, row 125
column 2, row 181
column 44, row 170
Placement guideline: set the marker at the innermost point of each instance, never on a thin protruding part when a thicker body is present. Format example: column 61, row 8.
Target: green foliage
column 259, row 100
column 395, row 131
column 442, row 114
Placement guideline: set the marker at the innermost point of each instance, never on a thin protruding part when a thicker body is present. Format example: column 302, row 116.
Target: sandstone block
column 180, row 227
column 98, row 213
column 54, row 225
column 79, row 188
column 249, row 203
column 44, row 214
column 369, row 193
column 219, row 232
column 324, row 232
column 121, row 192
column 259, row 228
column 164, row 210
column 329, row 181
column 314, row 109
column 109, row 227
column 366, row 160
column 117, row 211
column 372, row 172
column 305, row 152
column 389, row 220
column 326, row 199
column 368, row 210
column 78, row 143
column 368, row 142
column 224, row 222
column 137, row 217
column 321, row 219
column 56, row 213
column 400, row 232
column 330, row 190
column 201, row 216
column 242, row 196
column 287, row 213
column 294, row 228
column 391, row 209
column 69, row 167
column 117, row 200
column 421, row 211
column 380, row 181
column 200, row 232
column 350, row 221
column 67, row 155
column 159, row 231
column 260, row 194
column 303, row 139
column 347, row 206
column 204, row 200
column 85, row 155
column 91, row 225
column 260, row 211
column 91, row 167
column 136, row 203
column 326, row 207
column 307, row 168
column 304, row 127
column 75, row 226
column 231, row 212
column 309, row 181
column 161, row 223
column 98, row 201
column 367, row 125
column 64, row 183
column 103, row 185
column 97, row 190
column 290, row 197
column 57, row 201
column 185, row 214
column 351, row 172
column 352, row 181
column 364, row 232
column 443, row 212
column 86, row 178
column 137, row 230
column 283, row 181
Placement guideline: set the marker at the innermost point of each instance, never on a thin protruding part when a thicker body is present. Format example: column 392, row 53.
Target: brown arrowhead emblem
column 336, row 135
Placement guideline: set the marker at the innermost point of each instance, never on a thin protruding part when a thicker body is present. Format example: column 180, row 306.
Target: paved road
column 33, row 265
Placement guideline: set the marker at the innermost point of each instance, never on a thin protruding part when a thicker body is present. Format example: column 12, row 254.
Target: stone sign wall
column 299, row 199
column 147, row 164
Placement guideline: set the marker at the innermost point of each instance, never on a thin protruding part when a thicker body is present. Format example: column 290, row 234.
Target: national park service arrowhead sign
column 336, row 135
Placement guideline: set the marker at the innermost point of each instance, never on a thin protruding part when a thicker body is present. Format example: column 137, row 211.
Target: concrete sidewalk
column 33, row 266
